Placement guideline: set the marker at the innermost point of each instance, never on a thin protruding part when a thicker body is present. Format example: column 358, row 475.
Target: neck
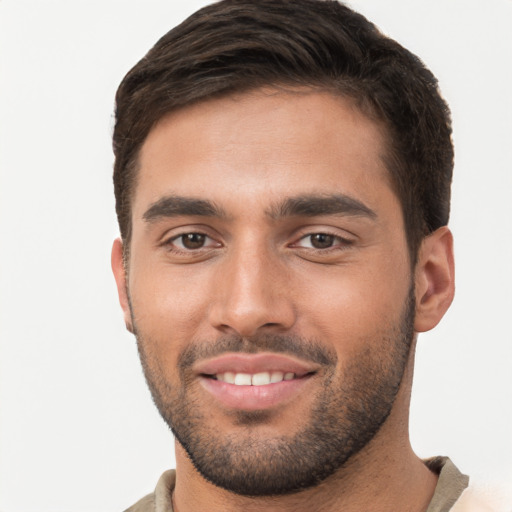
column 383, row 477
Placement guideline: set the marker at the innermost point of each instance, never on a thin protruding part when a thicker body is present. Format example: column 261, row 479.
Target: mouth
column 256, row 379
column 252, row 382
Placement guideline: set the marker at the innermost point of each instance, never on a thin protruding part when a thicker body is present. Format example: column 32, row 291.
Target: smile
column 257, row 379
column 252, row 382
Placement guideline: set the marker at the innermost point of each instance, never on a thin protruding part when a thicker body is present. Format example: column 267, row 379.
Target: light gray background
column 78, row 430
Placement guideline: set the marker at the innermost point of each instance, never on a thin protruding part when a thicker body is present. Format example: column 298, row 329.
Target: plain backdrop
column 78, row 430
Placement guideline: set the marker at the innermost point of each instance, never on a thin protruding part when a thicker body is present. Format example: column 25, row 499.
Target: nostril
column 246, row 314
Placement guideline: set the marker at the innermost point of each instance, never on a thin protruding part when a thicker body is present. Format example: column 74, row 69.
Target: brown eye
column 322, row 245
column 322, row 240
column 193, row 240
column 191, row 244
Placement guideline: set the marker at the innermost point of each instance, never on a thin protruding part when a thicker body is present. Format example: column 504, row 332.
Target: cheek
column 349, row 306
column 168, row 308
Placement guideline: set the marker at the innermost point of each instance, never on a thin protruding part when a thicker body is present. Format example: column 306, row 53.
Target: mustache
column 302, row 348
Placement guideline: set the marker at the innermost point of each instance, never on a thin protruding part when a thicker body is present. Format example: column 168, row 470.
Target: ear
column 434, row 279
column 118, row 269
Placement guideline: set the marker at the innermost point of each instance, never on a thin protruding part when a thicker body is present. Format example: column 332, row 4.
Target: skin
column 259, row 273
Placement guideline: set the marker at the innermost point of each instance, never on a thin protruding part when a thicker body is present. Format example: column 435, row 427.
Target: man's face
column 270, row 285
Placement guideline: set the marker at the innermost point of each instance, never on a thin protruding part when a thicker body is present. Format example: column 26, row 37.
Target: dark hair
column 239, row 45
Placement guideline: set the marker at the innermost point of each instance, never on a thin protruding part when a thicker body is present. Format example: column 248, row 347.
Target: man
column 282, row 183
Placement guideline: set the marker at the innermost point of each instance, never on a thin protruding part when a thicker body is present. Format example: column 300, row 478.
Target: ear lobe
column 117, row 262
column 434, row 279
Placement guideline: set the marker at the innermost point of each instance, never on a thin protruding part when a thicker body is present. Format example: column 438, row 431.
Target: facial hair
column 349, row 409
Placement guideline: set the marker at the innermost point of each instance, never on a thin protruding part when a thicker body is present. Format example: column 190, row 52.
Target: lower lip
column 254, row 398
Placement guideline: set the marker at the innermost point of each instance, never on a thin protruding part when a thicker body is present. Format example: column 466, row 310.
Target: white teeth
column 276, row 377
column 229, row 377
column 243, row 379
column 258, row 379
column 261, row 379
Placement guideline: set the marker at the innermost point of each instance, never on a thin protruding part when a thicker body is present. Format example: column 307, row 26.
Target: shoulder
column 161, row 499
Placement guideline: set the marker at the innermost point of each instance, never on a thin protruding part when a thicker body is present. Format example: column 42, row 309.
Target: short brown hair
column 239, row 45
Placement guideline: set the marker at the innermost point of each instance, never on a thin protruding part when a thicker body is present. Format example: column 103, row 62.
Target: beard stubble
column 348, row 411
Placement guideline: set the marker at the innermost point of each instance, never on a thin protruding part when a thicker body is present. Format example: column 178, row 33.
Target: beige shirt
column 450, row 487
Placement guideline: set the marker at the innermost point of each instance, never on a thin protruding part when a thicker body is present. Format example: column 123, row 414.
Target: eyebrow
column 304, row 205
column 175, row 206
column 313, row 206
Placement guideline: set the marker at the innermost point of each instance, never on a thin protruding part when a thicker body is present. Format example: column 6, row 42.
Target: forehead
column 256, row 147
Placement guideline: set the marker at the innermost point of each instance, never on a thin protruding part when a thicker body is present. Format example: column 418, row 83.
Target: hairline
column 391, row 159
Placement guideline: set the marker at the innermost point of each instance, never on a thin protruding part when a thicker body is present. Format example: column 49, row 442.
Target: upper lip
column 254, row 363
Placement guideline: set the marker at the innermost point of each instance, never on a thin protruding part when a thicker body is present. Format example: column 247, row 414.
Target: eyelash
column 170, row 242
column 339, row 243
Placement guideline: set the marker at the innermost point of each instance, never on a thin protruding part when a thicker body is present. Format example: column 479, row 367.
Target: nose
column 252, row 295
